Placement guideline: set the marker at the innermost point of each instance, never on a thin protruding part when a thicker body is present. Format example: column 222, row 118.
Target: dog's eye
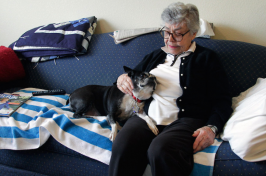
column 143, row 75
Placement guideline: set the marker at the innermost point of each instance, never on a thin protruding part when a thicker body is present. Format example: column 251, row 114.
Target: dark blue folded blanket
column 56, row 39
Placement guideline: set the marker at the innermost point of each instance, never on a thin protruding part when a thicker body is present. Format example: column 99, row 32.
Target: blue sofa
column 243, row 62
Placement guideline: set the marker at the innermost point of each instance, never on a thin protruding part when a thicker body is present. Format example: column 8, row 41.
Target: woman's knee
column 166, row 157
column 158, row 149
column 166, row 146
column 133, row 136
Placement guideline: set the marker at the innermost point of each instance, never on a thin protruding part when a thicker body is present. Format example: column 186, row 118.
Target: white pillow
column 205, row 29
column 246, row 129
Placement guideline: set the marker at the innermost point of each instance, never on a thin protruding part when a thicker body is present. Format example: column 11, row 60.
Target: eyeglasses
column 177, row 37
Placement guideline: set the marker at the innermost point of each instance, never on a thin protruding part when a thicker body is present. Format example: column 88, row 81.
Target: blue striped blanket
column 41, row 116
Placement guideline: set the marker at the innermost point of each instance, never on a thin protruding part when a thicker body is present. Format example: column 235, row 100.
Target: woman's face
column 173, row 46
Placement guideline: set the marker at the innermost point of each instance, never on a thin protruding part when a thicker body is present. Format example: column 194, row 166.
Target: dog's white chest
column 129, row 106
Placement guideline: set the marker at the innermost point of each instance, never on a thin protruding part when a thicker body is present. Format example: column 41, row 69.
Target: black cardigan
column 204, row 83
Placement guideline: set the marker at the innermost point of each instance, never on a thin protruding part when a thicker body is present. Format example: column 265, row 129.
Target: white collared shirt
column 163, row 109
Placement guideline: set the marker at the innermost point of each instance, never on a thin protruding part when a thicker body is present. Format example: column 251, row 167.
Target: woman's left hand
column 204, row 138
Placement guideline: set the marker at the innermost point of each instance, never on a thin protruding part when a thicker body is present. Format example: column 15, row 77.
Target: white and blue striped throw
column 41, row 116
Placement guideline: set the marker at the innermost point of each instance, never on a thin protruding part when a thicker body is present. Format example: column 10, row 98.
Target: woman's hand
column 124, row 84
column 204, row 138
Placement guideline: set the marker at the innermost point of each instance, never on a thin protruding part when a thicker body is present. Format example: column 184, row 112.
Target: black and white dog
column 95, row 100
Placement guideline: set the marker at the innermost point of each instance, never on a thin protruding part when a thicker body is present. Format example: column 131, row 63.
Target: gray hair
column 180, row 13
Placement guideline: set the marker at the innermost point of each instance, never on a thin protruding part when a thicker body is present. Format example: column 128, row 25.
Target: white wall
column 242, row 20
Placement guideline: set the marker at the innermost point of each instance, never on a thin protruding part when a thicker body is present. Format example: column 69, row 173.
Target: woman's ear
column 194, row 35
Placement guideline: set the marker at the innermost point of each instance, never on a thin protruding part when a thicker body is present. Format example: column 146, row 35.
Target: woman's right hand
column 124, row 84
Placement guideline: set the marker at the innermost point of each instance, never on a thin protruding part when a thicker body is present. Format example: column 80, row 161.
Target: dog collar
column 136, row 99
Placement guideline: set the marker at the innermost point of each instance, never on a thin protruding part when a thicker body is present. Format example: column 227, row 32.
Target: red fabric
column 10, row 65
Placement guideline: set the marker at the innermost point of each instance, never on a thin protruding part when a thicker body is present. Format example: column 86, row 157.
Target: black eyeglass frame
column 161, row 30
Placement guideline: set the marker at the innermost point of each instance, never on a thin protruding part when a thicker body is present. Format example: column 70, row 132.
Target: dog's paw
column 152, row 126
column 113, row 133
column 112, row 136
column 149, row 122
column 77, row 115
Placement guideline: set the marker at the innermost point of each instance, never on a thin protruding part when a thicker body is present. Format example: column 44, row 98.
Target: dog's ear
column 129, row 71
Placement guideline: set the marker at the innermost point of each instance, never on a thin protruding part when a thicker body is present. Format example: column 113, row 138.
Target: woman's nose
column 171, row 38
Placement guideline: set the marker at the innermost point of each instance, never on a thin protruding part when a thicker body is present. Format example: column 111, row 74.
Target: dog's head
column 144, row 83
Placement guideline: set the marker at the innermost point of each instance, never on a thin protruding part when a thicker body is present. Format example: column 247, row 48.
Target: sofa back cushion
column 102, row 65
column 243, row 62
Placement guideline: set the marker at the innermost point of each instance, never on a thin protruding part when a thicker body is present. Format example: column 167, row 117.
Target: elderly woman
column 190, row 105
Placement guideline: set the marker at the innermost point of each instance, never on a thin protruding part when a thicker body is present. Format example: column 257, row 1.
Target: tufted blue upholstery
column 243, row 62
column 51, row 159
column 9, row 171
column 102, row 65
column 227, row 163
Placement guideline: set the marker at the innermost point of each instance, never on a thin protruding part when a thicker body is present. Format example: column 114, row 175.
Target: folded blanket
column 127, row 34
column 41, row 116
column 56, row 40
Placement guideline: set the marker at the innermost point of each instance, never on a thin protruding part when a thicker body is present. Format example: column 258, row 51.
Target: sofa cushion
column 52, row 158
column 227, row 163
column 243, row 62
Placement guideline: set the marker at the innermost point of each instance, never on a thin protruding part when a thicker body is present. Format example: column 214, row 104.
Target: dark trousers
column 169, row 153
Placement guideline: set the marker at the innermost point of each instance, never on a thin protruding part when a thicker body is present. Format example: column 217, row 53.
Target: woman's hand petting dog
column 125, row 84
column 204, row 138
